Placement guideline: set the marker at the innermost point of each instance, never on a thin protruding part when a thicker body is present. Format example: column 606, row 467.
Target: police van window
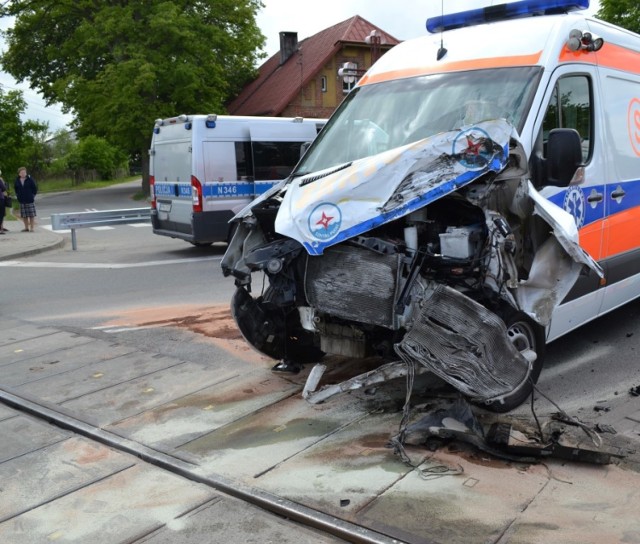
column 244, row 165
column 570, row 107
column 275, row 160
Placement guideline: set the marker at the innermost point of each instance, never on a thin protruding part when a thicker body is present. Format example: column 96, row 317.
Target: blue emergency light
column 514, row 10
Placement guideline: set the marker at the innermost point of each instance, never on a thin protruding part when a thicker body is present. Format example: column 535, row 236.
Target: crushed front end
column 426, row 254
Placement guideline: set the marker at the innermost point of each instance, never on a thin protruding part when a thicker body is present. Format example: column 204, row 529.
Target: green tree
column 12, row 105
column 95, row 153
column 118, row 66
column 624, row 13
column 36, row 154
column 62, row 144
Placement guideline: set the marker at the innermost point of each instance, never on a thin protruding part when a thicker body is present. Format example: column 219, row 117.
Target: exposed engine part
column 342, row 280
column 465, row 344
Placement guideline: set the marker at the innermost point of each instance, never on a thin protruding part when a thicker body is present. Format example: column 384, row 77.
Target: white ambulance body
column 474, row 197
column 204, row 168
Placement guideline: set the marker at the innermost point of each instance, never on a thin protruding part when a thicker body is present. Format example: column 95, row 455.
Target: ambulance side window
column 571, row 107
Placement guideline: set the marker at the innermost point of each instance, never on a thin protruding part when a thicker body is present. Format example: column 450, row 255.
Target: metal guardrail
column 79, row 220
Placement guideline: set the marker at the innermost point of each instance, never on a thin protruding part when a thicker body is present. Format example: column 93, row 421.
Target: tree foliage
column 36, row 154
column 95, row 153
column 118, row 66
column 624, row 13
column 12, row 105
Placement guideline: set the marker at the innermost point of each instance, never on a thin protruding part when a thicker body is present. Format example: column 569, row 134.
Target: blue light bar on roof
column 514, row 10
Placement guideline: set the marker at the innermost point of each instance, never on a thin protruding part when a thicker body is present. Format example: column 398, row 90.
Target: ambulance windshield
column 378, row 117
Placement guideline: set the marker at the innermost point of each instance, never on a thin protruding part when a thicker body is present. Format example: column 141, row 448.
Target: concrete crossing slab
column 112, row 404
column 96, row 375
column 35, row 346
column 23, row 434
column 263, row 440
column 121, row 508
column 42, row 475
column 185, row 419
column 60, row 361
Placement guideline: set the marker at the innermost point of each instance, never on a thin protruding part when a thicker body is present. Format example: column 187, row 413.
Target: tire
column 524, row 334
column 266, row 330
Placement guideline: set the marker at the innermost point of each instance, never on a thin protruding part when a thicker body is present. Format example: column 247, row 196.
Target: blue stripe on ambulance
column 631, row 199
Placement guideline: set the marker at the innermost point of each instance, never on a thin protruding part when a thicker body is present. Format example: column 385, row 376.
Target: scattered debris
column 604, row 428
column 438, row 471
column 505, row 438
column 635, row 391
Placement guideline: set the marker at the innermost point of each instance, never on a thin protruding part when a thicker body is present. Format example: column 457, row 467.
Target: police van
column 474, row 197
column 204, row 168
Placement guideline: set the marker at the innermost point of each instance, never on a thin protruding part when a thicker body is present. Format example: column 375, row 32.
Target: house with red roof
column 305, row 78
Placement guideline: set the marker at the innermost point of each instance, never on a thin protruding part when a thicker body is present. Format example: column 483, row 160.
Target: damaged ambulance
column 472, row 199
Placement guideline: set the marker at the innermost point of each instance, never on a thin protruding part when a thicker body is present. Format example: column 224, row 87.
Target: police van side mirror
column 564, row 156
column 304, row 147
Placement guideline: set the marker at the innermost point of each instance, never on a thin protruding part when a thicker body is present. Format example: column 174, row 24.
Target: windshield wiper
column 325, row 174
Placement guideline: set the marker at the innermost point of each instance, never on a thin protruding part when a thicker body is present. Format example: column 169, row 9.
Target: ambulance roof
column 518, row 42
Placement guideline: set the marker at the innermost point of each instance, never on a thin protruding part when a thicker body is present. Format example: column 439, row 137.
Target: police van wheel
column 524, row 334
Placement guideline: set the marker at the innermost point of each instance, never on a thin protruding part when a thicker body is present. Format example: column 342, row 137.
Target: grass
column 58, row 185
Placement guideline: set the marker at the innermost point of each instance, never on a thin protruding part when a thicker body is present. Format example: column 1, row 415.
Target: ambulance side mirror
column 564, row 156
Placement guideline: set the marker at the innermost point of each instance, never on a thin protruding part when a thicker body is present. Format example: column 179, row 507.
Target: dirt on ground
column 213, row 323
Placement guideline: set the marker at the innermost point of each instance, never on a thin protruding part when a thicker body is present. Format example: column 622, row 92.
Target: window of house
column 349, row 82
column 570, row 107
column 323, row 84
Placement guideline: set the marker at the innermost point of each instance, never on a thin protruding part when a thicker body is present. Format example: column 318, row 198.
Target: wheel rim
column 522, row 336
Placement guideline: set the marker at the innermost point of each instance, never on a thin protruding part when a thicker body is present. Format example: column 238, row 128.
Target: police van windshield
column 378, row 117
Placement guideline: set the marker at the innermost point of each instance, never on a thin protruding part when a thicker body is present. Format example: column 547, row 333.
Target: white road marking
column 138, row 225
column 106, row 266
column 105, row 227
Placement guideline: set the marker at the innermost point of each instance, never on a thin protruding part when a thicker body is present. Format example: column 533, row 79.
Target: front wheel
column 525, row 335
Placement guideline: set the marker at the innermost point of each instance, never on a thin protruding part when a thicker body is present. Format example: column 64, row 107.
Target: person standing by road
column 4, row 193
column 26, row 190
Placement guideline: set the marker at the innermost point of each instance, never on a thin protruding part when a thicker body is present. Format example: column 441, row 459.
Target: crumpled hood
column 325, row 208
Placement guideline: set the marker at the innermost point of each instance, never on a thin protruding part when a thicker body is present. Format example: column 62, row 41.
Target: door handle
column 594, row 197
column 618, row 193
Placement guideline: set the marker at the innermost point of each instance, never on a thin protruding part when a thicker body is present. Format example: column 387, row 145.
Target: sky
column 403, row 19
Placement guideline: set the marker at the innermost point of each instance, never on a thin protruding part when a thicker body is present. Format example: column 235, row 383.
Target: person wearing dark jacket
column 4, row 193
column 25, row 191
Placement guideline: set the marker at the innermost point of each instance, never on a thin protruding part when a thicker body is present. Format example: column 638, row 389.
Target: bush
column 95, row 153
